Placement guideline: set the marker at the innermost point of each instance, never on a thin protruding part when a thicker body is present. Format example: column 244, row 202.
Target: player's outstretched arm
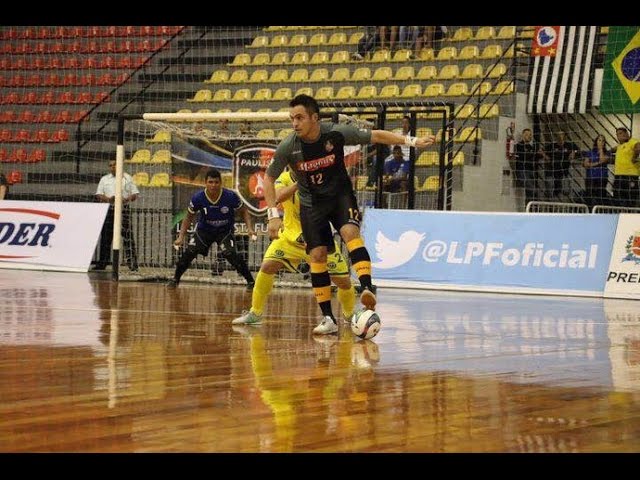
column 389, row 138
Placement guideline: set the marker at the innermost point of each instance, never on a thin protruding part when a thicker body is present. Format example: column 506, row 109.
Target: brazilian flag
column 621, row 82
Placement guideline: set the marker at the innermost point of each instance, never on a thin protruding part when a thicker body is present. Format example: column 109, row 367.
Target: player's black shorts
column 204, row 239
column 338, row 210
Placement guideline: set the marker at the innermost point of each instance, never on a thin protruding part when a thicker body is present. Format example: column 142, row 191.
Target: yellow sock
column 261, row 290
column 347, row 299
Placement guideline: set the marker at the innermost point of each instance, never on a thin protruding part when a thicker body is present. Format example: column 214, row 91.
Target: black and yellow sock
column 361, row 261
column 321, row 283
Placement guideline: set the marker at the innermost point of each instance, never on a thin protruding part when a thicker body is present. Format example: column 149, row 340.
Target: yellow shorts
column 290, row 254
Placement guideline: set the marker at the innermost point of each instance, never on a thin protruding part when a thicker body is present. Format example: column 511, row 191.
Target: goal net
column 168, row 160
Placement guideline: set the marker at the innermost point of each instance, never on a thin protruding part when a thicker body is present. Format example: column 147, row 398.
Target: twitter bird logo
column 393, row 254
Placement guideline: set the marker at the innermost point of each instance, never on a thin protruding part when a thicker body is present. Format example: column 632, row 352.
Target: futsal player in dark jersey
column 315, row 151
column 217, row 207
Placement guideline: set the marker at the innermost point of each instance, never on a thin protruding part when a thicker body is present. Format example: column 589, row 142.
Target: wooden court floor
column 88, row 365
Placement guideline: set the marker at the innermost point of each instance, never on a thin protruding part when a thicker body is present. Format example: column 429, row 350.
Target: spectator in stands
column 245, row 129
column 528, row 155
column 4, row 187
column 430, row 37
column 597, row 174
column 558, row 156
column 367, row 43
column 396, row 171
column 627, row 169
column 223, row 128
column 106, row 193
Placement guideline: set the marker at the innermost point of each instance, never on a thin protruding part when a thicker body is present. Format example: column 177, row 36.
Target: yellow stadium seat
column 300, row 58
column 259, row 76
column 241, row 95
column 262, row 95
column 431, row 184
column 319, row 58
column 405, row 73
column 201, row 96
column 447, row 53
column 464, row 111
column 299, row 75
column 161, row 136
column 219, row 76
column 341, row 74
column 423, row 132
column 324, row 93
column 338, row 38
column 470, row 52
column 280, row 58
column 380, row 56
column 382, row 74
column 264, row 110
column 355, row 38
column 411, row 91
column 142, row 155
column 473, row 70
column 283, row 94
column 451, row 133
column 266, row 133
column 433, row 90
column 483, row 89
column 304, row 91
column 491, row 51
column 298, row 40
column 319, row 75
column 507, row 32
column 341, row 56
column 279, row 41
column 498, row 71
column 279, row 75
column 284, row 133
column 241, row 59
column 402, row 55
column 346, row 92
column 426, row 55
column 489, row 111
column 361, row 74
column 448, row 72
column 318, row 39
column 458, row 89
column 504, row 87
column 222, row 95
column 389, row 91
column 485, row 33
column 239, row 76
column 428, row 159
column 261, row 59
column 367, row 91
column 161, row 156
column 141, row 179
column 361, row 182
column 261, row 41
column 160, row 180
column 428, row 72
column 469, row 134
column 462, row 34
column 458, row 160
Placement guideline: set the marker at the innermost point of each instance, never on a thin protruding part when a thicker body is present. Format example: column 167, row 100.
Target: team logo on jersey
column 249, row 165
column 224, row 209
column 328, row 146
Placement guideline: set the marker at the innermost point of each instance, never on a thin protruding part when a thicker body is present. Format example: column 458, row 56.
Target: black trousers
column 130, row 255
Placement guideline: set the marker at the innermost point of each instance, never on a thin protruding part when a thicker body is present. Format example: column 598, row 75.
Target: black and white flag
column 563, row 83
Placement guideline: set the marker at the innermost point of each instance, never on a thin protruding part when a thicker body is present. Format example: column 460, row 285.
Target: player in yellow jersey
column 288, row 251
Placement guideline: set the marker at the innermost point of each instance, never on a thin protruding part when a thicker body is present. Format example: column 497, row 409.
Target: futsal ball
column 365, row 324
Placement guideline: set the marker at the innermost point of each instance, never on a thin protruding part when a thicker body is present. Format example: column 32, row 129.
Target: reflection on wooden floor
column 87, row 365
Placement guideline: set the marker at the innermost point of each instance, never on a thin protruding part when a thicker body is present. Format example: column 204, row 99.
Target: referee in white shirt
column 106, row 193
